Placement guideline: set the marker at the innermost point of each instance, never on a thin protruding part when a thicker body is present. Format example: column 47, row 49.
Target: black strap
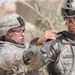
column 21, row 21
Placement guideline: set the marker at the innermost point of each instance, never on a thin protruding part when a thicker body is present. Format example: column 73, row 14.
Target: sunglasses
column 69, row 20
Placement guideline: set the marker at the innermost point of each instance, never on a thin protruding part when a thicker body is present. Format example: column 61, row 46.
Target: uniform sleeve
column 31, row 52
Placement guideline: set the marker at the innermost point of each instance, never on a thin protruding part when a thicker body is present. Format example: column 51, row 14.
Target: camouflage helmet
column 68, row 10
column 10, row 21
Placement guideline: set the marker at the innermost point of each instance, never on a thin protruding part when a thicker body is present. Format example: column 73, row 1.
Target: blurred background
column 40, row 15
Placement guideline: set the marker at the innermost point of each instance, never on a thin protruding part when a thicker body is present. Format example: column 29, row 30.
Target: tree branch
column 42, row 16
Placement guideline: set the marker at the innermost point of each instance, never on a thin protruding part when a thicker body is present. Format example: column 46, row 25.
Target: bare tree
column 37, row 11
column 60, row 5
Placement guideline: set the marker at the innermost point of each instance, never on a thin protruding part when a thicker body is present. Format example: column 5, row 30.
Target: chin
column 21, row 42
column 72, row 32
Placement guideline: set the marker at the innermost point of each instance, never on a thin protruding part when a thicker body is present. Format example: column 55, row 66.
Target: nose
column 23, row 33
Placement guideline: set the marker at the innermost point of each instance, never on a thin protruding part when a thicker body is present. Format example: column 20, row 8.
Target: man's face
column 18, row 34
column 71, row 25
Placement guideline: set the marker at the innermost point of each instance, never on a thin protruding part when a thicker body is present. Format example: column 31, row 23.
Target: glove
column 31, row 52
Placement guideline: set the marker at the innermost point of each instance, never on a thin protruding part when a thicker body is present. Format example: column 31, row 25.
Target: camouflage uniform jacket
column 12, row 63
column 11, row 58
column 63, row 54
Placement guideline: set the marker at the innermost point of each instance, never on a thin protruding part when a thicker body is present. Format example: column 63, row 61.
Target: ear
column 7, row 36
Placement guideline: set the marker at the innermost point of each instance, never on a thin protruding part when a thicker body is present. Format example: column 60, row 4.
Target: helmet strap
column 11, row 37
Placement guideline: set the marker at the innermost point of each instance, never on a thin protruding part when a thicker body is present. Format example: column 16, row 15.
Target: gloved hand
column 31, row 52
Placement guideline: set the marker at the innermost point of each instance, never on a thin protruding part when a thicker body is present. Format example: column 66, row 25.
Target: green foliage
column 42, row 24
column 37, row 32
column 57, row 22
column 48, row 9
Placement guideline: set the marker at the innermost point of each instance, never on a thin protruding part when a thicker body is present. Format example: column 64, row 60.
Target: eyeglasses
column 18, row 31
column 70, row 20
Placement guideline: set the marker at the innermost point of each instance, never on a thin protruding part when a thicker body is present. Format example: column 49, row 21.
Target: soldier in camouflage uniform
column 61, row 51
column 64, row 45
column 14, row 51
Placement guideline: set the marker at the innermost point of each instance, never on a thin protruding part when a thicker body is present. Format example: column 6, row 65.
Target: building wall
column 28, row 14
column 7, row 8
column 2, row 12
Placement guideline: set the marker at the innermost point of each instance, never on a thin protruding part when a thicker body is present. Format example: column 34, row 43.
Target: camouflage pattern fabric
column 65, row 60
column 12, row 54
column 10, row 21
